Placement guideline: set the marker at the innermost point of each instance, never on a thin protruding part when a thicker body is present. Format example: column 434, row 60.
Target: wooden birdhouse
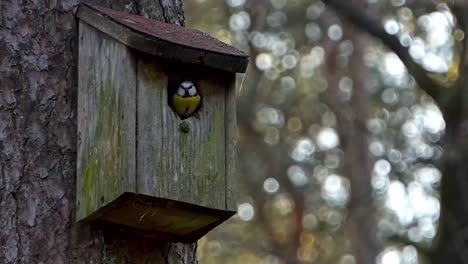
column 156, row 125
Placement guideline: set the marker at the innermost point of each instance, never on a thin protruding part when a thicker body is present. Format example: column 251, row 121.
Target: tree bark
column 38, row 85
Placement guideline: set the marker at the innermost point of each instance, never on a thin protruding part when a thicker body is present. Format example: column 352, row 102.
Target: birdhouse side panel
column 181, row 160
column 231, row 146
column 106, row 121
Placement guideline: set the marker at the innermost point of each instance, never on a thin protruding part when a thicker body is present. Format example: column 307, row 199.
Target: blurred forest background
column 352, row 131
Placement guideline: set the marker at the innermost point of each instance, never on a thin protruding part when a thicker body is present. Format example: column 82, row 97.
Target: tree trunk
column 38, row 84
column 451, row 241
column 351, row 118
column 362, row 222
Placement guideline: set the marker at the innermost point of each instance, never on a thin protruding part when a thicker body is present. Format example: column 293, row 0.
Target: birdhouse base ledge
column 159, row 218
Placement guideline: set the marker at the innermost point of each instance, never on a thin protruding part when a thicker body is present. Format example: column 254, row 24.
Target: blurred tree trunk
column 362, row 222
column 451, row 243
column 38, row 56
column 351, row 119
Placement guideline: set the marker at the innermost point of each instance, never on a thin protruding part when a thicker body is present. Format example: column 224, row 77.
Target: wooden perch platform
column 164, row 40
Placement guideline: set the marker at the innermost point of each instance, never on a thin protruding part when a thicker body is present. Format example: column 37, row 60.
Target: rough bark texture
column 38, row 84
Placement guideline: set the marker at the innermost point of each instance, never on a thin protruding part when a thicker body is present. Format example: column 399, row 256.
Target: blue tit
column 186, row 100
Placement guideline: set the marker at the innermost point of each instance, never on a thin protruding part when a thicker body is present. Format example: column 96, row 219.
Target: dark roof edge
column 243, row 55
column 158, row 46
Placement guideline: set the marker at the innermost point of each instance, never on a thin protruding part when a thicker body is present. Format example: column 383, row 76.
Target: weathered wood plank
column 184, row 166
column 106, row 120
column 151, row 82
column 231, row 145
column 161, row 47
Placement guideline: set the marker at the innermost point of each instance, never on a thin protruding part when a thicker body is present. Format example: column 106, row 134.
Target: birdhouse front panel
column 182, row 158
column 156, row 126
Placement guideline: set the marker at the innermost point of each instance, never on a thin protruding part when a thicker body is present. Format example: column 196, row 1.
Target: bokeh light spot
column 391, row 256
column 264, row 61
column 235, row 3
column 327, row 138
column 335, row 190
column 271, row 185
column 335, row 32
column 240, row 21
column 297, row 175
column 392, row 27
column 246, row 211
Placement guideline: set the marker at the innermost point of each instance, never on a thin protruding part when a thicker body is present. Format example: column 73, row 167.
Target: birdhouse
column 156, row 125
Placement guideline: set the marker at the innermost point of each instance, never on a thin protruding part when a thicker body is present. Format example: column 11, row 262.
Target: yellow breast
column 185, row 106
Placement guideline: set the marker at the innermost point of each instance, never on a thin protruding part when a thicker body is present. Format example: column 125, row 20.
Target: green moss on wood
column 90, row 173
column 105, row 162
column 110, row 138
column 212, row 152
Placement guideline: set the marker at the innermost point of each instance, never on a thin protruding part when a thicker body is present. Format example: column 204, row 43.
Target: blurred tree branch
column 373, row 26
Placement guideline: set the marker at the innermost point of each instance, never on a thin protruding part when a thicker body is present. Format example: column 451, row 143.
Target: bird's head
column 187, row 89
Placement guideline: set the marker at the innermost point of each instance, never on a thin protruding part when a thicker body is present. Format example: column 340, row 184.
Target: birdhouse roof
column 164, row 40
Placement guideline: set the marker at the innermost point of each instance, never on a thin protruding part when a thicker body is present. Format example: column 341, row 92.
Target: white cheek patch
column 192, row 91
column 180, row 92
